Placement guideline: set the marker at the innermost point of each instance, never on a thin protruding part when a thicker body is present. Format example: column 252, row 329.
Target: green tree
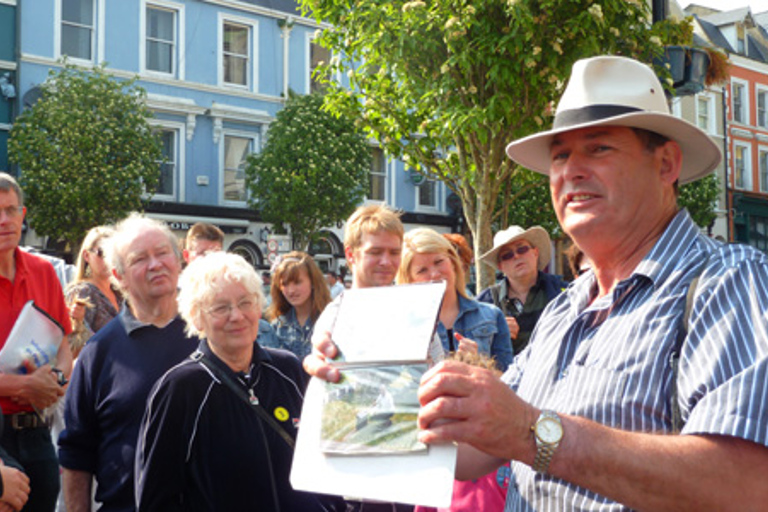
column 87, row 152
column 700, row 197
column 312, row 170
column 446, row 84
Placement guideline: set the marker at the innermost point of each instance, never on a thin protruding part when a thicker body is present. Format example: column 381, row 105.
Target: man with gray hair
column 26, row 442
column 117, row 368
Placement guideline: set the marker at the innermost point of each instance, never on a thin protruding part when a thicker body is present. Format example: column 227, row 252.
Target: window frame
column 179, row 21
column 310, row 70
column 255, row 139
column 747, row 165
column 710, row 113
column 384, row 175
column 252, row 71
column 180, row 130
column 431, row 208
column 762, row 168
column 744, row 110
column 97, row 35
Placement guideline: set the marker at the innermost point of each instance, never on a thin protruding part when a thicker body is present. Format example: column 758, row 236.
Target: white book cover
column 35, row 338
column 357, row 438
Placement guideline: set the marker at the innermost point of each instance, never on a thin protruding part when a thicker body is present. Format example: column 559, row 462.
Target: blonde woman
column 92, row 296
column 427, row 256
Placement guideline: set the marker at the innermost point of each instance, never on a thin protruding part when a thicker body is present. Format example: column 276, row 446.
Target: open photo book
column 358, row 437
column 34, row 339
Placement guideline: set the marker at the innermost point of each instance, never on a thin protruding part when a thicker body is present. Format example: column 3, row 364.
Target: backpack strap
column 674, row 358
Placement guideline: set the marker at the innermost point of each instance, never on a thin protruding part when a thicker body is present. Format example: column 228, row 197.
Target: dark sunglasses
column 512, row 252
column 98, row 252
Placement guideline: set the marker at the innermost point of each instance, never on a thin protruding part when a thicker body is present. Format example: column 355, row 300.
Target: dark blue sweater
column 106, row 399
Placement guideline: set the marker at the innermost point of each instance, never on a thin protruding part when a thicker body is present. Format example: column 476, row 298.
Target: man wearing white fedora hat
column 644, row 383
column 525, row 290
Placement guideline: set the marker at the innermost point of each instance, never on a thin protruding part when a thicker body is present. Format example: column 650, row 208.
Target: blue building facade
column 216, row 73
column 8, row 67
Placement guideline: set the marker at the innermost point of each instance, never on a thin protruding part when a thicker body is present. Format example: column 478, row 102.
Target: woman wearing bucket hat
column 525, row 290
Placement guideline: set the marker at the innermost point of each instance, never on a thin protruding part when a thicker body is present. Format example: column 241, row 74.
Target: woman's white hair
column 205, row 277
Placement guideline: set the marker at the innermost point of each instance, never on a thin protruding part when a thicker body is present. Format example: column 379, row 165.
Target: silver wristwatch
column 548, row 432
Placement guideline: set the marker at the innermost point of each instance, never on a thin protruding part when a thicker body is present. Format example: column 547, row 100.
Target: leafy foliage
column 700, row 198
column 312, row 170
column 87, row 152
column 445, row 85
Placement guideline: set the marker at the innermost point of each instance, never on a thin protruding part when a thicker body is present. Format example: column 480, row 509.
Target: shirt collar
column 131, row 323
column 679, row 236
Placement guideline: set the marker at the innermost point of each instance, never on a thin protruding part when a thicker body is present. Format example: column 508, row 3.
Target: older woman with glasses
column 427, row 256
column 219, row 428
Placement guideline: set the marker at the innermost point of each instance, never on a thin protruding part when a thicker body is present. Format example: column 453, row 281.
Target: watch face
column 549, row 430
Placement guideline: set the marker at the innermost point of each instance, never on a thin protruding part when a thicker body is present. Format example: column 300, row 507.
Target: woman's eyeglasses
column 98, row 252
column 222, row 311
column 519, row 251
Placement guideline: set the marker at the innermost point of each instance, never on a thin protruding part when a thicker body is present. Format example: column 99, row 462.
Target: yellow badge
column 281, row 413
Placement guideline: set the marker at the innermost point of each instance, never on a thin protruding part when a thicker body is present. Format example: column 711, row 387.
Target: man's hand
column 514, row 327
column 471, row 405
column 40, row 388
column 316, row 363
column 15, row 488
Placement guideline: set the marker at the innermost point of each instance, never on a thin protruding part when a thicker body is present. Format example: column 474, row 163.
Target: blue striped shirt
column 609, row 361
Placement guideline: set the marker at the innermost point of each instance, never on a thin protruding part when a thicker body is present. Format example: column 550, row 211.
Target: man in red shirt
column 26, row 441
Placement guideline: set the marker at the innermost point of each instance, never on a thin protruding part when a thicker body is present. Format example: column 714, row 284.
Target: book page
column 358, row 438
column 387, row 323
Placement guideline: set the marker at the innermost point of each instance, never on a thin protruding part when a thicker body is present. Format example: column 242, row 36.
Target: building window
column 739, row 104
column 317, row 55
column 762, row 115
column 741, row 168
column 427, row 194
column 763, row 170
column 702, row 112
column 77, row 28
column 236, row 150
column 235, row 53
column 161, row 40
column 758, row 232
column 166, row 182
column 378, row 175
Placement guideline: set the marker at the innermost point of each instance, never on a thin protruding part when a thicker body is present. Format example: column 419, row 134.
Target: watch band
column 545, row 450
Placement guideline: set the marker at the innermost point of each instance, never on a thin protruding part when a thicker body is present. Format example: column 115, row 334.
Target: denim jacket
column 484, row 324
column 289, row 335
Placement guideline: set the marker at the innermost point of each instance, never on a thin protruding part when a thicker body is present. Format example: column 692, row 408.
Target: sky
column 727, row 5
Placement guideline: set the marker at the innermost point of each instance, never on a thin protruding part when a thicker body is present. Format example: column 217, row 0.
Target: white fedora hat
column 536, row 235
column 617, row 91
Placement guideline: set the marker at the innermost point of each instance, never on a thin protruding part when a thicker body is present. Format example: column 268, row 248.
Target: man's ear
column 671, row 160
column 349, row 254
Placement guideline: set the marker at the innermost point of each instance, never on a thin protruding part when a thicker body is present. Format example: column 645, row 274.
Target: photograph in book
column 373, row 410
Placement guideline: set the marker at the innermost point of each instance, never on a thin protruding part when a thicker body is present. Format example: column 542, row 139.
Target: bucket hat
column 617, row 91
column 536, row 235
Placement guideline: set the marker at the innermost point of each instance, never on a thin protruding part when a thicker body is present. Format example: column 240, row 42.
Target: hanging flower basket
column 688, row 68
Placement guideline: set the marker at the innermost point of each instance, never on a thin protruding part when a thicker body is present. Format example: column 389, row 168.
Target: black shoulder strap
column 253, row 402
